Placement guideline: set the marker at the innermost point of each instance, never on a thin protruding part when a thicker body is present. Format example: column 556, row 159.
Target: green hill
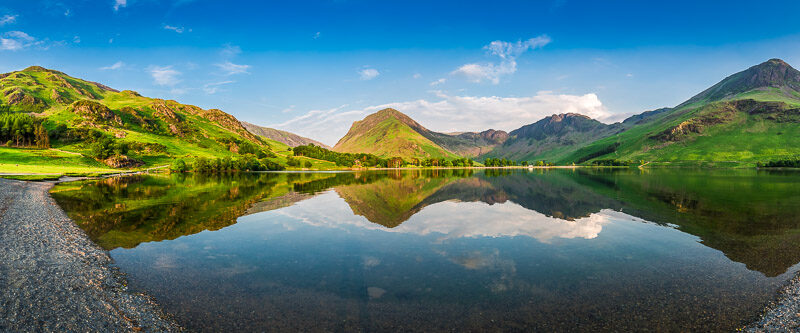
column 751, row 116
column 77, row 114
column 390, row 133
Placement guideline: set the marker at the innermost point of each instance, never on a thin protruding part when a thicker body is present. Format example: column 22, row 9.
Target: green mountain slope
column 751, row 116
column 78, row 113
column 287, row 138
column 390, row 133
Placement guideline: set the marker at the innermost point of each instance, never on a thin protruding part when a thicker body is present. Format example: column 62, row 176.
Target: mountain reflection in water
column 514, row 230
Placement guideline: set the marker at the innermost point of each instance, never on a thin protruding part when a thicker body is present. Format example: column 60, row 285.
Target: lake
column 450, row 250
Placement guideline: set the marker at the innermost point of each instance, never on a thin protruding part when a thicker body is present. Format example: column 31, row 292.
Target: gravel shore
column 784, row 314
column 53, row 278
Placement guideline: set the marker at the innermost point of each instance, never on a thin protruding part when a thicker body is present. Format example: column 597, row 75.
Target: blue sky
column 314, row 67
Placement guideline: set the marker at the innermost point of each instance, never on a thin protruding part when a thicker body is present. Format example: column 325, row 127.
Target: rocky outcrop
column 122, row 162
column 95, row 113
column 18, row 97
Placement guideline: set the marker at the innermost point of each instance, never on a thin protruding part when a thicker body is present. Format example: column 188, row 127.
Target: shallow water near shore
column 441, row 250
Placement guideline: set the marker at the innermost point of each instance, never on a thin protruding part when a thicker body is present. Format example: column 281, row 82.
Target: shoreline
column 55, row 278
column 782, row 314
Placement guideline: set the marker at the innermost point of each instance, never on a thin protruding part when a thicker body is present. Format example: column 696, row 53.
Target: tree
column 178, row 165
column 308, row 164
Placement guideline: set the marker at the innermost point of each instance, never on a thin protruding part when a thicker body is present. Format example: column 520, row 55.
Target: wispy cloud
column 117, row 65
column 230, row 68
column 179, row 30
column 8, row 19
column 416, row 75
column 317, row 35
column 120, row 4
column 507, row 52
column 368, row 73
column 229, row 50
column 448, row 113
column 16, row 40
column 438, row 82
column 164, row 75
column 213, row 88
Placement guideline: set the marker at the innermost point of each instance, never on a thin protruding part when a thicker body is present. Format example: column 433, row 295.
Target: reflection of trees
column 126, row 211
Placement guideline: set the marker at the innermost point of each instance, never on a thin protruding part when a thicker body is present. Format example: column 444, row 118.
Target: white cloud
column 120, row 3
column 213, row 88
column 16, row 40
column 76, row 39
column 164, row 76
column 475, row 220
column 317, row 35
column 368, row 73
column 508, row 53
column 230, row 68
column 8, row 19
column 446, row 113
column 115, row 66
column 438, row 82
column 179, row 30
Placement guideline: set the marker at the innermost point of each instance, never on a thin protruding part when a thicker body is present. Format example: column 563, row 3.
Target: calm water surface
column 451, row 250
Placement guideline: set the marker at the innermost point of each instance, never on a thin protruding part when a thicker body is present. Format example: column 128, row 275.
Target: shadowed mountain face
column 288, row 138
column 752, row 218
column 544, row 138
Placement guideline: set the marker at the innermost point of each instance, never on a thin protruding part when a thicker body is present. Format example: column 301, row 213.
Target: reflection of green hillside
column 390, row 201
column 127, row 211
column 752, row 218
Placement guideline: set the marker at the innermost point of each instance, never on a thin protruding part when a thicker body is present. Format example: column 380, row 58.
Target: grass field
column 22, row 160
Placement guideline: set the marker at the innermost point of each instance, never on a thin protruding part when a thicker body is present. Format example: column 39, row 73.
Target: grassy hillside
column 390, row 133
column 749, row 117
column 78, row 114
column 727, row 133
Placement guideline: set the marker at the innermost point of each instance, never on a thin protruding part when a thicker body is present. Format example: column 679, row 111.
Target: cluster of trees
column 788, row 163
column 341, row 159
column 106, row 147
column 226, row 164
column 612, row 162
column 245, row 147
column 294, row 162
column 499, row 162
column 369, row 160
column 23, row 130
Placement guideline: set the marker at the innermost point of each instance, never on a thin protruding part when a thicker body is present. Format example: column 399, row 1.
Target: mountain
column 78, row 114
column 288, row 138
column 469, row 144
column 750, row 116
column 551, row 137
column 774, row 76
column 390, row 133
